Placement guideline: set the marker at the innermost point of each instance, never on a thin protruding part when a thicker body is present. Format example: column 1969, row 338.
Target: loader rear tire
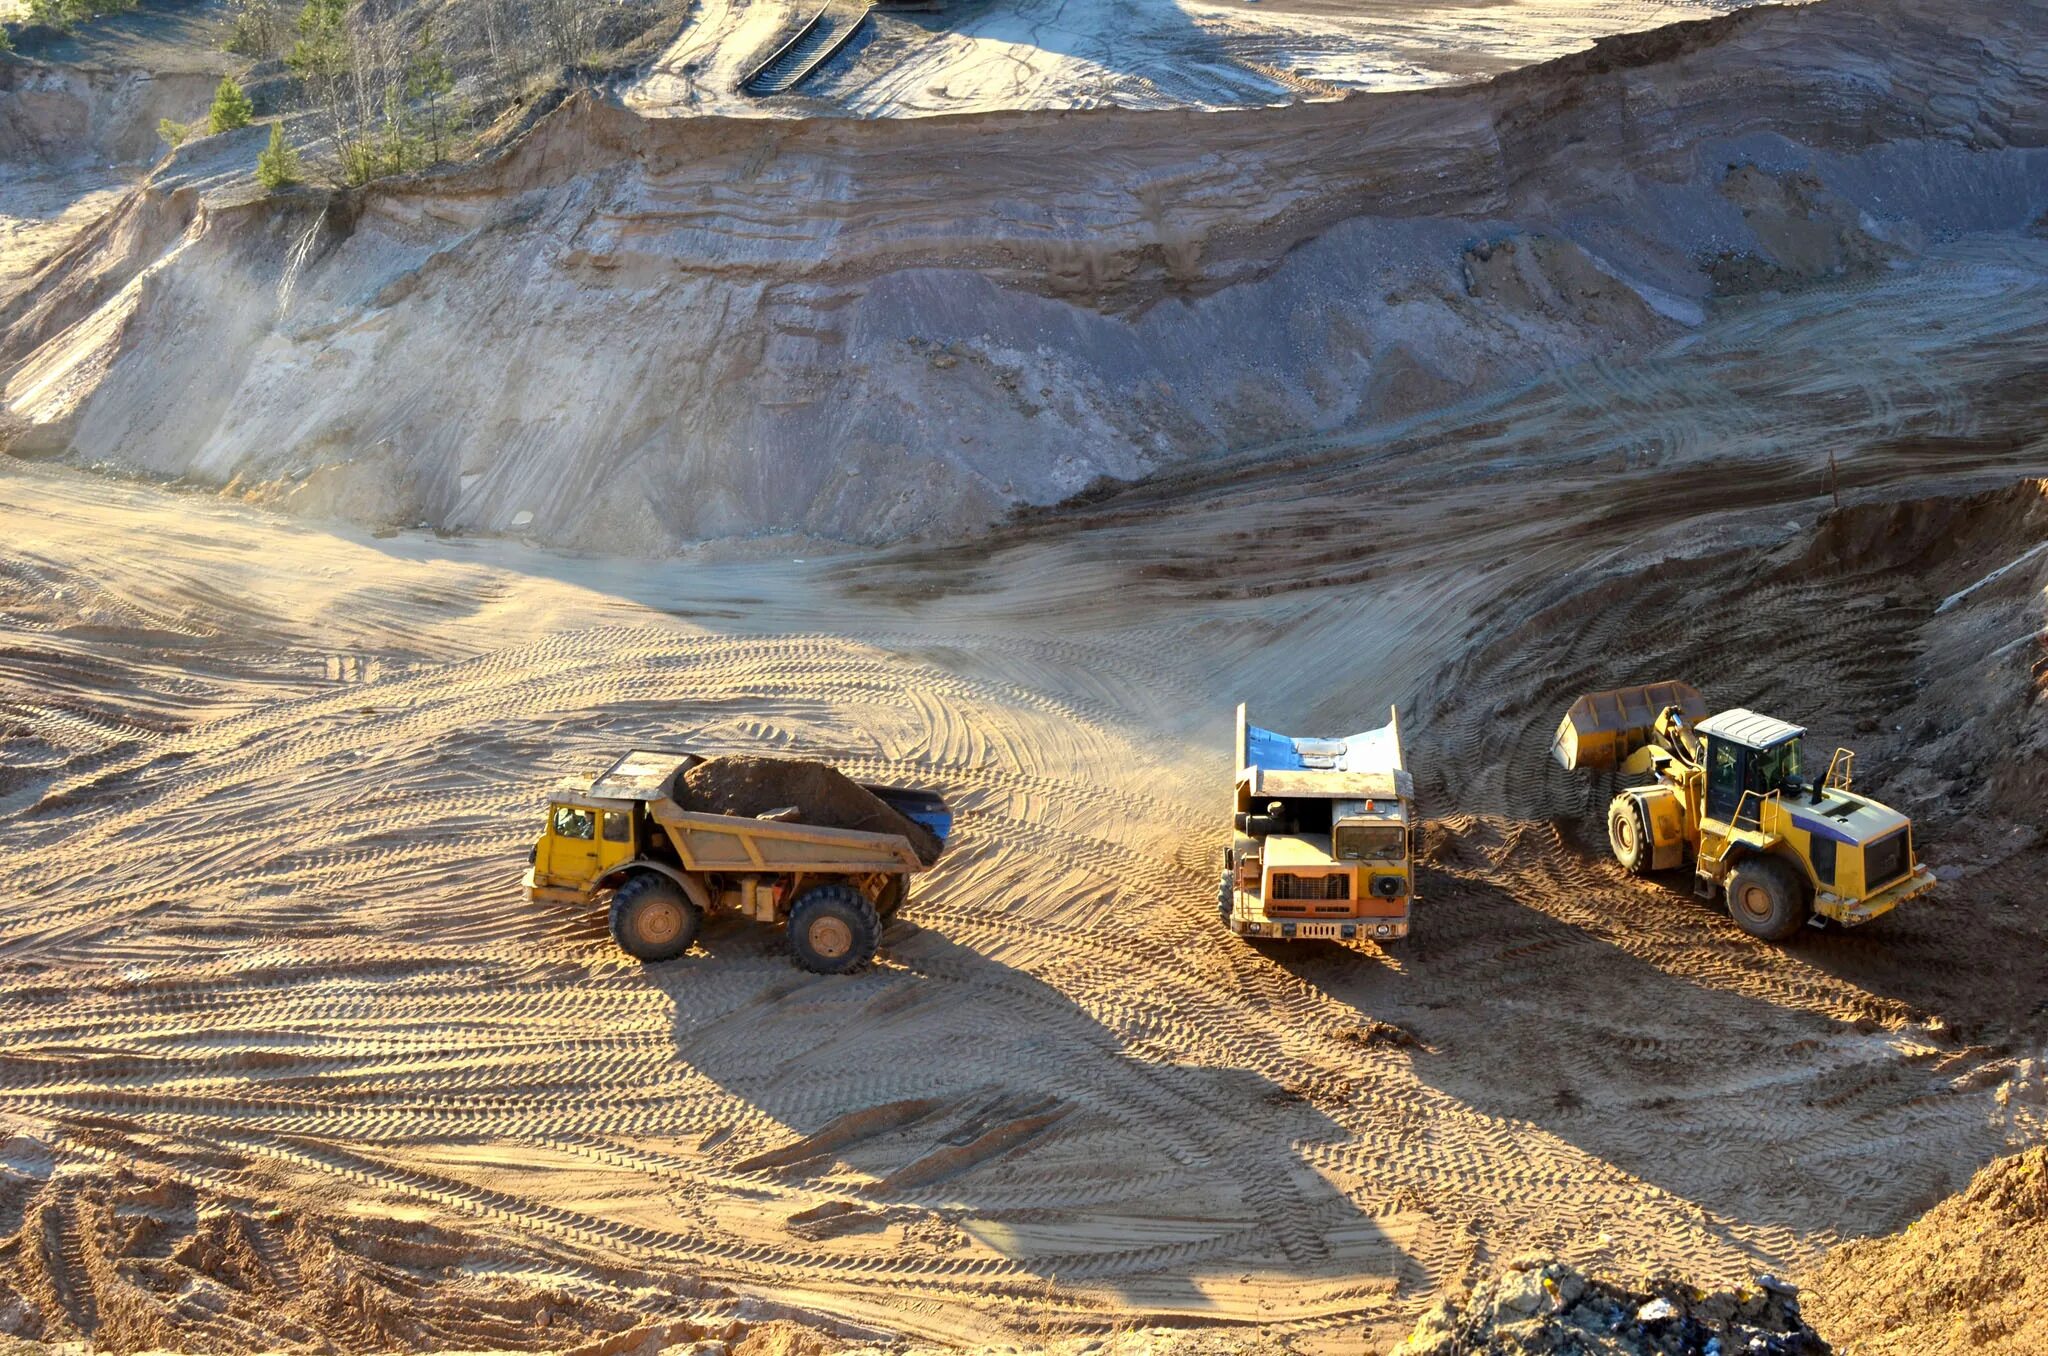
column 1628, row 833
column 833, row 930
column 1766, row 899
column 652, row 920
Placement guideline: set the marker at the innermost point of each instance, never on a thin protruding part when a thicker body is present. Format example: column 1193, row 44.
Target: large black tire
column 1628, row 833
column 652, row 919
column 1226, row 897
column 891, row 896
column 833, row 930
column 1766, row 898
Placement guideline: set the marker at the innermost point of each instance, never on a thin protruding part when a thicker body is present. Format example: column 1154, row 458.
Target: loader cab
column 1747, row 752
column 584, row 836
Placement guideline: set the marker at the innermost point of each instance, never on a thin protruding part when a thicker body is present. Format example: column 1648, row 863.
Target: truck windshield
column 1775, row 766
column 1370, row 842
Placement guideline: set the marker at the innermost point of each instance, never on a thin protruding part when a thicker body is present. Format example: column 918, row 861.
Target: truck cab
column 583, row 838
column 1322, row 837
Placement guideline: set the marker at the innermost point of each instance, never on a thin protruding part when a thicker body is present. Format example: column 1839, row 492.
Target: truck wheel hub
column 830, row 937
column 659, row 922
column 1756, row 901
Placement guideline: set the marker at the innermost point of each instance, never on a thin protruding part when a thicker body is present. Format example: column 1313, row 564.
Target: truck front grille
column 1884, row 861
column 1287, row 885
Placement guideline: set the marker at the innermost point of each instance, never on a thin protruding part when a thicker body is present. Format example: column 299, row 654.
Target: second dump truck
column 1732, row 793
column 1321, row 836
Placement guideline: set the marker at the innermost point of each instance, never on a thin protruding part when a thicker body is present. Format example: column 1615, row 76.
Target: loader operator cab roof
column 1749, row 729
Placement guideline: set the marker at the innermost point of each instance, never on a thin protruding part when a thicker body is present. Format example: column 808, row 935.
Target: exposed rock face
column 64, row 114
column 633, row 333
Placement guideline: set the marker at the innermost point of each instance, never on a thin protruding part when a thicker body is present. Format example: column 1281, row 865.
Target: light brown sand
column 269, row 994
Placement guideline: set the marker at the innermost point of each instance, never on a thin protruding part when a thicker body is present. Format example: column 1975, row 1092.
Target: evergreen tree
column 277, row 164
column 173, row 133
column 232, row 108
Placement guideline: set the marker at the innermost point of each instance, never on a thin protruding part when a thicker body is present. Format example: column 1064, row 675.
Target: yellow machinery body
column 1323, row 839
column 603, row 834
column 1730, row 794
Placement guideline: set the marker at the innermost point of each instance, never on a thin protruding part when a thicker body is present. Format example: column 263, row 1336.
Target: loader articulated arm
column 1604, row 730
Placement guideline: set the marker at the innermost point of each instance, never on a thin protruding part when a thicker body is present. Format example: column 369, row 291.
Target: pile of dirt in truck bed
column 749, row 784
column 1545, row 1307
column 1971, row 1275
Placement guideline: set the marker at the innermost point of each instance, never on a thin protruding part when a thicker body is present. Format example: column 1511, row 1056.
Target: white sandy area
column 1143, row 54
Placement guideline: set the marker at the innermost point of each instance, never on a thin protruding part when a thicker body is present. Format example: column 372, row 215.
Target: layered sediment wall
column 633, row 332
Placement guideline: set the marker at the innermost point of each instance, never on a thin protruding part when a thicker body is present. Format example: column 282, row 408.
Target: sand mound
column 748, row 784
column 1545, row 1307
column 1971, row 1275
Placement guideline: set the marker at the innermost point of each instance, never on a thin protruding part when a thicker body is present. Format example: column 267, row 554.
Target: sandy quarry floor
column 284, row 1051
column 991, row 54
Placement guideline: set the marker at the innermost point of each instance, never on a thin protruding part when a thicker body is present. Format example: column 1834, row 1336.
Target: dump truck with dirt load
column 1731, row 793
column 627, row 832
column 1321, row 843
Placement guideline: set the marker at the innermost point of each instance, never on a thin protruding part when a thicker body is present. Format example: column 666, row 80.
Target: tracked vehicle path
column 266, row 982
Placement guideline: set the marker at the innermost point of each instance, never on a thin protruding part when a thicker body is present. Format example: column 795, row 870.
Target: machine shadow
column 945, row 1109
column 1777, row 1120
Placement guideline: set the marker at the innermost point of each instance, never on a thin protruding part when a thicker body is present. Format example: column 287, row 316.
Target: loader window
column 1370, row 842
column 618, row 826
column 573, row 821
column 1771, row 768
column 1725, row 774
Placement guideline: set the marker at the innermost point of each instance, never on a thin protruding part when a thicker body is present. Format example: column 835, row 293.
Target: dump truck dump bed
column 711, row 842
column 1362, row 766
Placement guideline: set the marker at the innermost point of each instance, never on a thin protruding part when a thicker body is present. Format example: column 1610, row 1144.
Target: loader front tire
column 652, row 920
column 833, row 930
column 1766, row 899
column 1628, row 833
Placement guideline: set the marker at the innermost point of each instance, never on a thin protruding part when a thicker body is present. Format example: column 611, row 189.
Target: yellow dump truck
column 1322, row 831
column 1733, row 793
column 665, row 867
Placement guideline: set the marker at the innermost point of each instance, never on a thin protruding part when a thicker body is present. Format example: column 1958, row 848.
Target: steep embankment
column 635, row 332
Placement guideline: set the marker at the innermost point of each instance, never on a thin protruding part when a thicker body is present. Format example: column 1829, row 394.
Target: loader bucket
column 1603, row 728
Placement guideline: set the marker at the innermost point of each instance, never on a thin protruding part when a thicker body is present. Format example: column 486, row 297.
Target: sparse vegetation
column 173, row 134
column 278, row 163
column 259, row 28
column 393, row 90
column 385, row 93
column 232, row 108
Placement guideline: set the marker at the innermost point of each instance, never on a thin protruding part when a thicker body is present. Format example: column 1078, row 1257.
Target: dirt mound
column 1971, row 1275
column 1544, row 1307
column 1909, row 629
column 748, row 784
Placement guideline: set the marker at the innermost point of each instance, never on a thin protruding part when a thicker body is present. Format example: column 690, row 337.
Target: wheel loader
column 1732, row 793
column 664, row 868
column 1321, row 844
